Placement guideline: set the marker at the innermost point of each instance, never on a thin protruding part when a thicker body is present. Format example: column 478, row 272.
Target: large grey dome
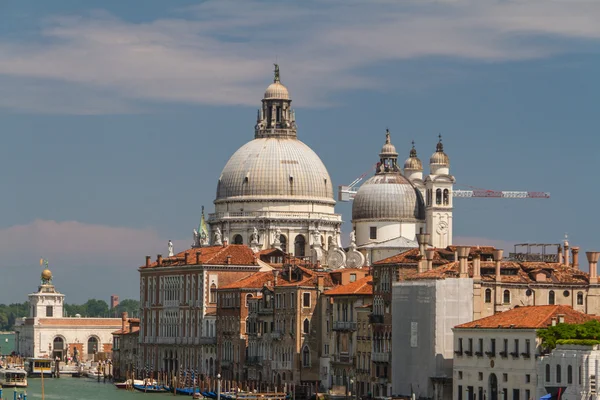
column 275, row 168
column 388, row 196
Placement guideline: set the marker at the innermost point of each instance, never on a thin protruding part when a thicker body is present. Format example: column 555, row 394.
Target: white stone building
column 570, row 372
column 392, row 207
column 47, row 333
column 275, row 191
column 496, row 357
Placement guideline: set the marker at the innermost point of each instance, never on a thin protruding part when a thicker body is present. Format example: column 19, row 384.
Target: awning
column 546, row 397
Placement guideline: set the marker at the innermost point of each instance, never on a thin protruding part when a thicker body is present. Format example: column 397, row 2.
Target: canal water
column 67, row 388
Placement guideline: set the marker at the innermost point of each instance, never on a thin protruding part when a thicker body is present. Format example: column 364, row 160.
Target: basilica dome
column 273, row 168
column 388, row 195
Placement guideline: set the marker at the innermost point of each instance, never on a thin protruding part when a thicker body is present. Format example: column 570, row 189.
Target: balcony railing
column 344, row 325
column 343, row 359
column 265, row 311
column 380, row 357
column 272, row 214
column 276, row 335
column 281, row 365
column 254, row 360
column 208, row 340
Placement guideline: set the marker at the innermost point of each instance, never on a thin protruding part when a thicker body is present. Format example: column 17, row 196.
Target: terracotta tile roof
column 511, row 272
column 133, row 330
column 528, row 317
column 309, row 278
column 213, row 255
column 360, row 287
column 254, row 281
column 410, row 257
column 65, row 322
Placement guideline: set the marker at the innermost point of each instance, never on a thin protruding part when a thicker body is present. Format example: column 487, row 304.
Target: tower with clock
column 438, row 198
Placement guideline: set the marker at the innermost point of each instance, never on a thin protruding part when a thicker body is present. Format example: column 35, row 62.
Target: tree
column 96, row 308
column 130, row 306
column 587, row 331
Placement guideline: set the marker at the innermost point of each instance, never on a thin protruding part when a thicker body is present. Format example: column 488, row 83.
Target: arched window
column 446, row 197
column 506, row 297
column 283, row 241
column 438, row 196
column 547, row 373
column 248, row 297
column 238, row 239
column 580, row 298
column 569, row 375
column 213, row 293
column 306, row 357
column 92, row 345
column 299, row 246
column 558, row 373
column 488, row 295
column 306, row 326
column 551, row 297
column 58, row 344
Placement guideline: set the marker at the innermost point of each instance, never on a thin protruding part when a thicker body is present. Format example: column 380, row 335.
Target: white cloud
column 217, row 52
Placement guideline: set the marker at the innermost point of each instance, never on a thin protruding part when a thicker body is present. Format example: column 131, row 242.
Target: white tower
column 438, row 198
column 47, row 302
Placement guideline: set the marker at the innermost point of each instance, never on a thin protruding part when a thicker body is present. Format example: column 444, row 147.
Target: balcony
column 376, row 319
column 381, row 357
column 342, row 359
column 281, row 365
column 526, row 355
column 254, row 360
column 490, row 354
column 208, row 340
column 276, row 335
column 344, row 325
column 503, row 354
column 265, row 311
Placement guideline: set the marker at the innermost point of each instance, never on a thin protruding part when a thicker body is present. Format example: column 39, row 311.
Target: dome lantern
column 388, row 158
column 276, row 118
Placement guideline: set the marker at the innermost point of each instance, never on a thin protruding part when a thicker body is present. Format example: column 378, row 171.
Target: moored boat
column 128, row 383
column 13, row 377
column 150, row 388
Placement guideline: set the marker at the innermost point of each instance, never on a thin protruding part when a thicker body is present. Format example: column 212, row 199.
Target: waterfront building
column 496, row 357
column 126, row 348
column 364, row 347
column 488, row 284
column 178, row 297
column 342, row 354
column 48, row 333
column 570, row 371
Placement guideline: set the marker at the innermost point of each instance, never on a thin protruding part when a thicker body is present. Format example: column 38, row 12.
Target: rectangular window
column 527, row 394
column 516, row 347
column 527, row 347
column 460, row 396
column 49, row 311
column 505, row 346
column 480, row 346
column 504, row 377
column 352, row 277
column 527, row 378
column 305, row 299
column 493, row 346
column 373, row 232
column 480, row 396
column 460, row 345
column 460, row 374
column 516, row 394
column 480, row 376
column 470, row 345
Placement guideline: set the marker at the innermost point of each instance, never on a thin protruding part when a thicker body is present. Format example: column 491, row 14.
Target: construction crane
column 347, row 193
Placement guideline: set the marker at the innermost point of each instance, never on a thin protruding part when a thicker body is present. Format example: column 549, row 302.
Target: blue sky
column 117, row 117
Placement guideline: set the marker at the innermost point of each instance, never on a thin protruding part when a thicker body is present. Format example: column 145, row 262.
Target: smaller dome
column 413, row 162
column 46, row 274
column 439, row 157
column 277, row 90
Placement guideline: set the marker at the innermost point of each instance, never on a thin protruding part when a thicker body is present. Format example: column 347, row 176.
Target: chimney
column 198, row 253
column 421, row 264
column 476, row 266
column 498, row 258
column 159, row 260
column 275, row 274
column 427, row 239
column 553, row 321
column 561, row 318
column 225, row 241
column 421, row 241
column 148, row 258
column 575, row 251
column 560, row 254
column 320, row 282
column 429, row 253
column 123, row 321
column 592, row 257
column 566, row 251
column 228, row 260
column 185, row 258
column 456, row 255
column 463, row 256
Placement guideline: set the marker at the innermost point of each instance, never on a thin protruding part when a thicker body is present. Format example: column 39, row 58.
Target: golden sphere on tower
column 46, row 274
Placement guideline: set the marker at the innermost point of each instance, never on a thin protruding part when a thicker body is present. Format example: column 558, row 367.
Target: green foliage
column 552, row 335
column 131, row 307
column 10, row 313
column 581, row 342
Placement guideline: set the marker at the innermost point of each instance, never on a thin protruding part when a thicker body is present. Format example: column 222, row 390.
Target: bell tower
column 438, row 198
column 276, row 118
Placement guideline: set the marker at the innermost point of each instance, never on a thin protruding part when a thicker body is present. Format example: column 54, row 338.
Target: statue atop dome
column 276, row 72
